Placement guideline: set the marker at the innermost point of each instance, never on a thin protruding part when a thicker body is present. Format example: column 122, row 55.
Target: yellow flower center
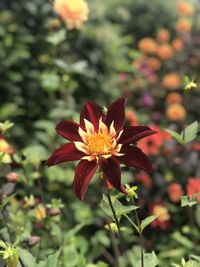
column 100, row 143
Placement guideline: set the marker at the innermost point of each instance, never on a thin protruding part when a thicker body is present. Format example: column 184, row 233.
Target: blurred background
column 146, row 51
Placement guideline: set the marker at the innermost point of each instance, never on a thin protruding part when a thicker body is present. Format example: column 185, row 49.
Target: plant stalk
column 141, row 237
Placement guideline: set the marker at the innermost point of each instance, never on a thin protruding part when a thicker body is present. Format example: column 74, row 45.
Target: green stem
column 115, row 247
column 140, row 235
column 113, row 211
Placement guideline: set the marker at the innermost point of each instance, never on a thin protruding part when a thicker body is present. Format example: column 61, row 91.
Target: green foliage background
column 47, row 72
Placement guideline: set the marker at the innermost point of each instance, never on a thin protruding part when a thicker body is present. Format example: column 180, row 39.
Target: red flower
column 193, row 187
column 144, row 178
column 175, row 192
column 163, row 218
column 152, row 144
column 101, row 141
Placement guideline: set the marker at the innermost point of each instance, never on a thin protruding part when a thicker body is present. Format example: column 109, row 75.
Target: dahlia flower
column 101, row 141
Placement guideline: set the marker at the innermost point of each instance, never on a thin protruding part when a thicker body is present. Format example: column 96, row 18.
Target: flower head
column 193, row 187
column 147, row 45
column 101, row 141
column 73, row 12
column 175, row 192
column 10, row 254
column 171, row 81
column 152, row 144
column 183, row 25
column 164, row 51
column 5, row 151
column 185, row 9
column 176, row 112
column 163, row 35
column 163, row 218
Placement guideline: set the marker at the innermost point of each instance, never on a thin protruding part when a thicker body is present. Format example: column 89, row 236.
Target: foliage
column 47, row 72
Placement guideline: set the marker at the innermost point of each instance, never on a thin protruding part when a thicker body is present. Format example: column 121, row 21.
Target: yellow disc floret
column 98, row 143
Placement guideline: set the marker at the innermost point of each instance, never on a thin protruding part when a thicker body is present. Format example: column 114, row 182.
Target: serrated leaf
column 147, row 221
column 190, row 132
column 150, row 260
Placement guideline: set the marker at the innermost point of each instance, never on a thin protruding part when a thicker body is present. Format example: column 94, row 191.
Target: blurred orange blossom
column 73, row 12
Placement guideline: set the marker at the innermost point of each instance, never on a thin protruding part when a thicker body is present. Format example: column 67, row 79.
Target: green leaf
column 27, row 258
column 186, row 201
column 57, row 37
column 35, row 154
column 5, row 126
column 147, row 221
column 187, row 135
column 176, row 136
column 190, row 132
column 150, row 260
column 182, row 240
column 118, row 207
column 52, row 260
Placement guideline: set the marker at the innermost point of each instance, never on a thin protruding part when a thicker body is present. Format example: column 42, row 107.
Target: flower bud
column 34, row 240
column 54, row 211
column 10, row 255
column 113, row 227
column 12, row 177
column 131, row 192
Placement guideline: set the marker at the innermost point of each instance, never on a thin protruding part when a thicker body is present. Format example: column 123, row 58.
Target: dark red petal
column 134, row 133
column 66, row 152
column 112, row 172
column 83, row 174
column 92, row 112
column 116, row 113
column 69, row 130
column 134, row 157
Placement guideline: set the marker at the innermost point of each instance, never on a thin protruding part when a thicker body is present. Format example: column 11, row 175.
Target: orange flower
column 163, row 35
column 185, row 9
column 163, row 218
column 174, row 98
column 131, row 117
column 171, row 80
column 183, row 25
column 193, row 187
column 176, row 112
column 164, row 51
column 5, row 150
column 40, row 212
column 147, row 45
column 73, row 12
column 175, row 192
column 144, row 178
column 154, row 63
column 193, row 61
column 151, row 145
column 177, row 44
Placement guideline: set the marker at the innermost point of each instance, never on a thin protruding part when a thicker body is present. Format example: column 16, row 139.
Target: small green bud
column 10, row 254
column 131, row 192
column 113, row 227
